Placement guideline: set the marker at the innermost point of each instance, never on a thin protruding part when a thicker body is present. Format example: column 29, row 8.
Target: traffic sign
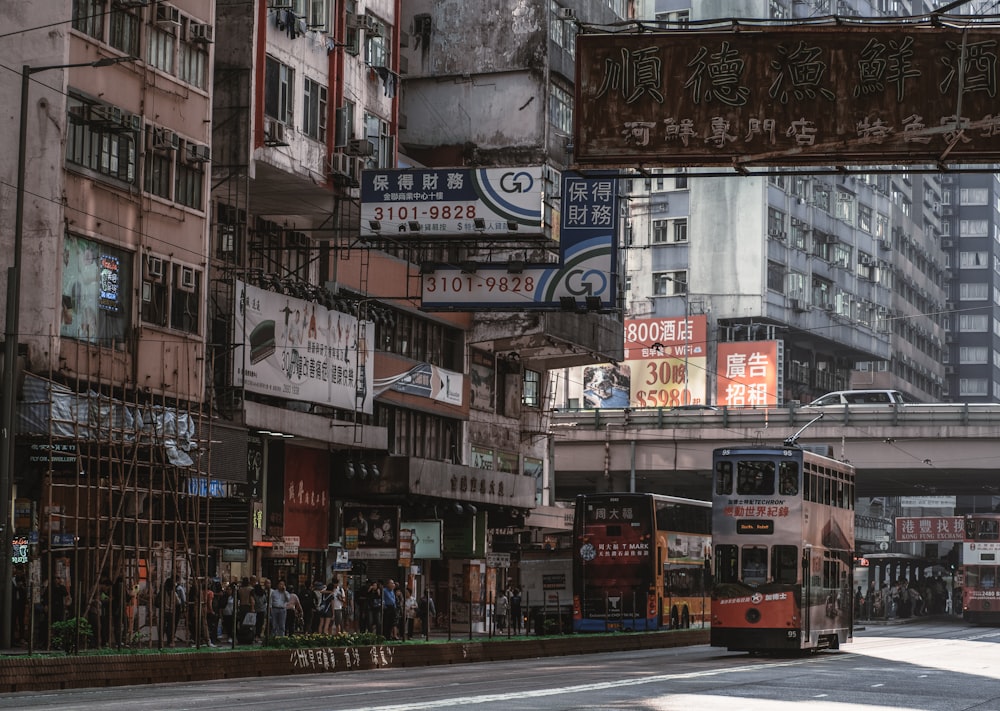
column 498, row 560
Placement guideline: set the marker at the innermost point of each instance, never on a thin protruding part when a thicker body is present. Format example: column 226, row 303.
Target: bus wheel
column 674, row 620
column 685, row 619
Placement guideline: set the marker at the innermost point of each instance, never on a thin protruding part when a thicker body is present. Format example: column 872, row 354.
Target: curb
column 80, row 672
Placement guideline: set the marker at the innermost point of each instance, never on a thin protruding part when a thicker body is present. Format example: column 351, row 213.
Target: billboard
column 371, row 532
column 749, row 374
column 788, row 95
column 300, row 350
column 665, row 366
column 426, row 380
column 929, row 528
column 456, row 202
column 583, row 279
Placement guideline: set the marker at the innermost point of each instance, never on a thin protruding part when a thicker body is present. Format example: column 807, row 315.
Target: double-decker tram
column 980, row 569
column 783, row 537
column 640, row 562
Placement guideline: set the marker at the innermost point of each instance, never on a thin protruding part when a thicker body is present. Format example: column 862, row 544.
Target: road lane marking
column 578, row 689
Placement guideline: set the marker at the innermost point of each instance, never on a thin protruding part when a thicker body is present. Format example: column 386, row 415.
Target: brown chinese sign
column 929, row 528
column 801, row 95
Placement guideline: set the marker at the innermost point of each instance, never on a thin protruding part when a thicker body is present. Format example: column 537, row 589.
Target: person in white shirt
column 339, row 598
column 279, row 606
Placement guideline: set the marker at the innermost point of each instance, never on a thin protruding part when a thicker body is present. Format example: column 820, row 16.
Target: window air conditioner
column 188, row 281
column 167, row 15
column 154, row 268
column 198, row 154
column 360, row 147
column 164, row 139
column 201, row 33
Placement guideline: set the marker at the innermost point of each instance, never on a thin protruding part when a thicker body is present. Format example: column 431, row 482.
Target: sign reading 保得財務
column 441, row 202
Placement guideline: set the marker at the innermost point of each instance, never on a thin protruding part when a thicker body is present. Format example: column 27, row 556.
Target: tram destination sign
column 789, row 95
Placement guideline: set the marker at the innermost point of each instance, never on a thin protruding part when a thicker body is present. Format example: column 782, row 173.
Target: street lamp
column 682, row 284
column 7, row 424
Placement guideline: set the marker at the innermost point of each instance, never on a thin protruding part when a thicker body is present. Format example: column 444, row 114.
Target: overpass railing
column 916, row 415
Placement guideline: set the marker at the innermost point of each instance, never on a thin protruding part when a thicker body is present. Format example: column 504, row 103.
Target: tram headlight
column 753, row 616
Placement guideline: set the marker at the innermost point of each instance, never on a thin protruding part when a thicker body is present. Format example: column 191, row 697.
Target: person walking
column 425, row 608
column 261, row 599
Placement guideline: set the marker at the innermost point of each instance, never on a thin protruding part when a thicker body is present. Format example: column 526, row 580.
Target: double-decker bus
column 783, row 538
column 980, row 571
column 640, row 562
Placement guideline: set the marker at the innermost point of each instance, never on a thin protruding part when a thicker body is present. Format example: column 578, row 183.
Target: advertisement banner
column 426, row 538
column 372, row 532
column 300, row 350
column 584, row 279
column 665, row 366
column 307, row 502
column 458, row 202
column 426, row 380
column 749, row 374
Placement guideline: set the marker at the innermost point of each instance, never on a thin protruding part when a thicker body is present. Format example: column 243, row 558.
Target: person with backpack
column 325, row 609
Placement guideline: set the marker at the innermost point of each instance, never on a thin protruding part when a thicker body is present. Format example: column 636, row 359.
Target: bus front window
column 754, row 569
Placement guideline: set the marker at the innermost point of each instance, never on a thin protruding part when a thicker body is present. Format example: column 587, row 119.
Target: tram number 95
column 792, row 634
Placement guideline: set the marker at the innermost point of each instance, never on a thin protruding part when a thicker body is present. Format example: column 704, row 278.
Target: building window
column 377, row 43
column 96, row 292
column 680, row 231
column 974, row 196
column 160, row 50
column 125, row 26
column 99, row 145
column 531, row 389
column 185, row 299
column 845, row 207
column 315, row 12
column 973, row 260
column 776, row 277
column 171, row 295
column 973, row 354
column 88, row 17
column 158, row 169
column 973, row 228
column 669, row 283
column 973, row 291
column 680, row 180
column 190, row 183
column 561, row 109
column 192, row 64
column 278, row 91
column 973, row 323
column 775, row 223
column 660, row 231
column 865, row 218
column 973, row 386
column 314, row 100
column 377, row 132
column 351, row 33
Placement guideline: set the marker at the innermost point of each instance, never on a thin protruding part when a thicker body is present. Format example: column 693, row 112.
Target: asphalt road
column 934, row 665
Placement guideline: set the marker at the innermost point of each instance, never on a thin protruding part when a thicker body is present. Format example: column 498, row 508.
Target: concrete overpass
column 912, row 450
